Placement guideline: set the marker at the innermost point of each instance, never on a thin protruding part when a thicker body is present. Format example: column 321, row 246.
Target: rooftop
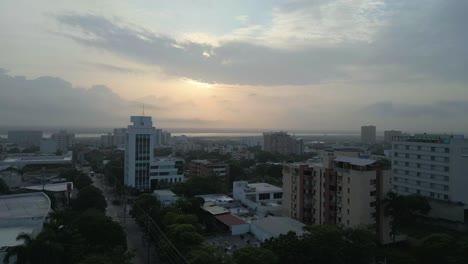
column 354, row 161
column 216, row 198
column 265, row 187
column 54, row 187
column 430, row 138
column 167, row 159
column 214, row 209
column 164, row 193
column 24, row 205
column 277, row 225
column 8, row 235
column 230, row 220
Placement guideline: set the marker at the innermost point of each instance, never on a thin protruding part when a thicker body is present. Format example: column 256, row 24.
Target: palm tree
column 403, row 210
column 22, row 252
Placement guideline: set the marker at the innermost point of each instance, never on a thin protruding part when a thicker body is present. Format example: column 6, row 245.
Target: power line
column 176, row 252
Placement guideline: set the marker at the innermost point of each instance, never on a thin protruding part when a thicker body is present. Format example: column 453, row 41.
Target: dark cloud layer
column 437, row 110
column 50, row 101
column 419, row 38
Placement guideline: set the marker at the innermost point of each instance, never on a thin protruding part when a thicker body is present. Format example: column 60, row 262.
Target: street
column 136, row 239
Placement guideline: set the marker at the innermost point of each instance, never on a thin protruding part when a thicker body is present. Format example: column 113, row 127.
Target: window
column 372, row 204
column 372, row 193
column 373, row 182
column 264, row 196
column 277, row 195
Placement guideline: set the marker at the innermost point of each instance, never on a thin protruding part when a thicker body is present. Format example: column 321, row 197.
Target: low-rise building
column 207, row 168
column 274, row 226
column 21, row 213
column 166, row 197
column 169, row 169
column 263, row 198
column 24, row 160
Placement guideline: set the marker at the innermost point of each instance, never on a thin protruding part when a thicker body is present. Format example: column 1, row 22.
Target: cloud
column 116, row 69
column 339, row 38
column 452, row 110
column 53, row 101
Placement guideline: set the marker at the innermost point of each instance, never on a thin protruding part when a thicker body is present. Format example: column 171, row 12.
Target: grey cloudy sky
column 318, row 65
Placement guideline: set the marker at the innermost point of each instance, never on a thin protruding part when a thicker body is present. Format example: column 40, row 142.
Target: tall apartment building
column 431, row 165
column 64, row 140
column 282, row 143
column 390, row 134
column 139, row 152
column 169, row 169
column 107, row 141
column 207, row 168
column 368, row 134
column 119, row 137
column 25, row 138
column 340, row 190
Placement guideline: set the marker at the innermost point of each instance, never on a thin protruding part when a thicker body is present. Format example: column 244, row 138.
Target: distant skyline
column 255, row 65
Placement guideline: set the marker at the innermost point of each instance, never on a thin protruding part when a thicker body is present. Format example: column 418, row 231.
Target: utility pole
column 148, row 242
column 43, row 178
column 125, row 207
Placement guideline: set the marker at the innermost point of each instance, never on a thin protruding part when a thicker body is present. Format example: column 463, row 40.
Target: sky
column 318, row 65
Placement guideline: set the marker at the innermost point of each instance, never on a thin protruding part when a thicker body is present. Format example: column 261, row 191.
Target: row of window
column 422, row 148
column 421, row 175
column 421, row 157
column 423, row 184
column 421, row 192
column 421, row 166
column 163, row 173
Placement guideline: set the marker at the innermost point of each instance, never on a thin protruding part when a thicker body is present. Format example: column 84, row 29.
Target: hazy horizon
column 266, row 65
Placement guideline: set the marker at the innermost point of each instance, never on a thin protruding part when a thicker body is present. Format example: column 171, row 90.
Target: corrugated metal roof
column 230, row 220
column 355, row 161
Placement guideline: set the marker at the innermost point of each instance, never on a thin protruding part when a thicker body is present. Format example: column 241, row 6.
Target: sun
column 199, row 84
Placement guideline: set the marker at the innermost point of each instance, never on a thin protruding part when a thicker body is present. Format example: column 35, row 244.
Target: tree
column 208, row 255
column 101, row 233
column 81, row 181
column 403, row 210
column 146, row 203
column 255, row 255
column 90, row 197
column 288, row 247
column 4, row 189
column 184, row 236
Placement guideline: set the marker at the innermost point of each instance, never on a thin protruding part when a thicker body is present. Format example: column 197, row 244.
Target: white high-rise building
column 435, row 166
column 368, row 134
column 64, row 140
column 140, row 142
column 119, row 137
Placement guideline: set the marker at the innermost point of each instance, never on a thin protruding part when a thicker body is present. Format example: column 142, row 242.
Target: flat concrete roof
column 25, row 205
column 164, row 193
column 277, row 225
column 215, row 198
column 265, row 187
column 8, row 235
column 215, row 209
column 354, row 161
